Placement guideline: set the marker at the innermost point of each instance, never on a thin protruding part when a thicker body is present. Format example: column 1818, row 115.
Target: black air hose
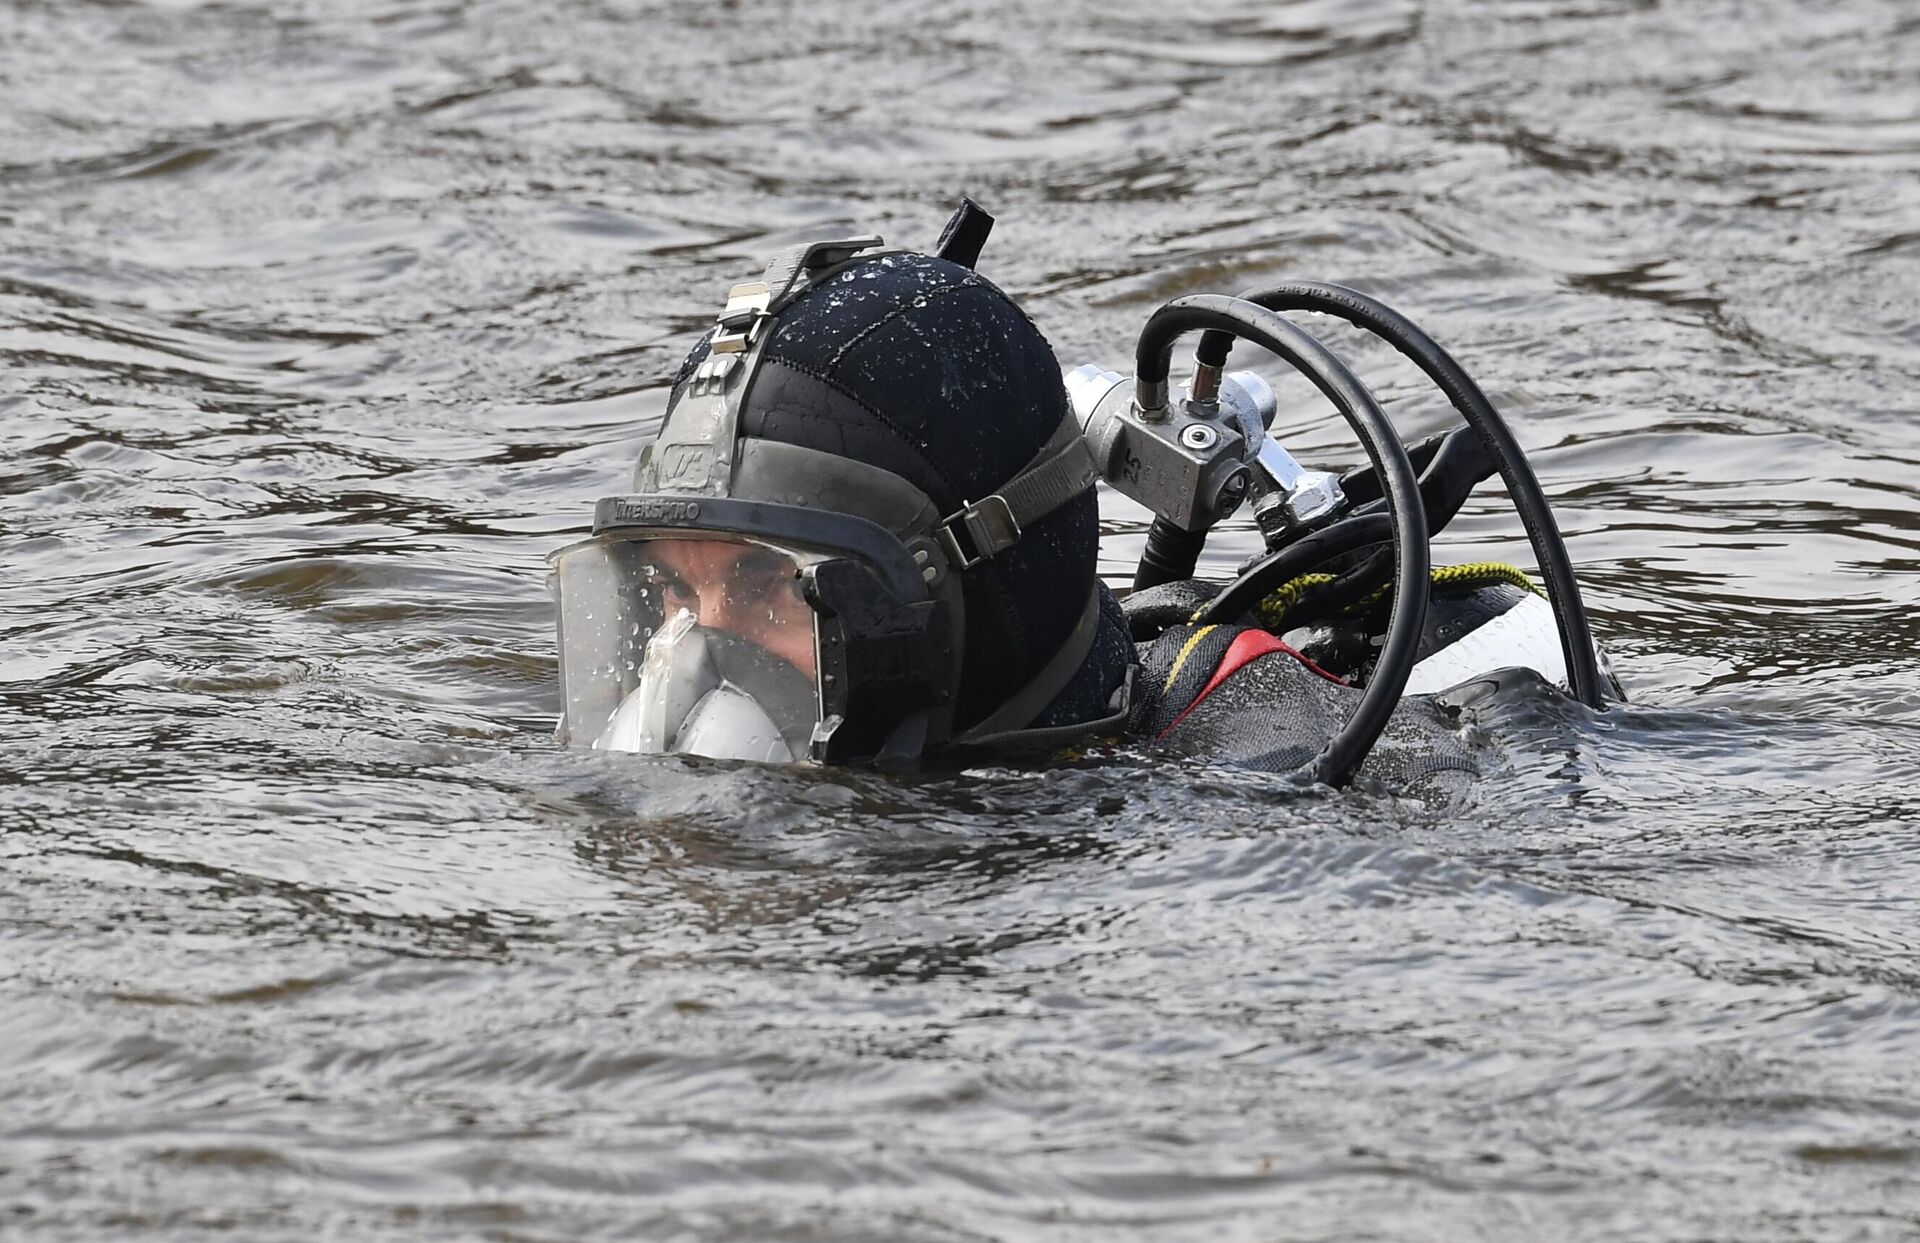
column 1225, row 318
column 1450, row 465
column 1302, row 556
column 1523, row 486
column 1170, row 555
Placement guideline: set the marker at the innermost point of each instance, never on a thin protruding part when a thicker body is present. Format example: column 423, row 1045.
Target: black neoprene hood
column 922, row 368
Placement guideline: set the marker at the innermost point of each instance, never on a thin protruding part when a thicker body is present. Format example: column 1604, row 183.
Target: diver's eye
column 663, row 579
column 760, row 572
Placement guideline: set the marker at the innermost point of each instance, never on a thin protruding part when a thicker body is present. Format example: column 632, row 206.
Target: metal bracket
column 990, row 526
column 734, row 333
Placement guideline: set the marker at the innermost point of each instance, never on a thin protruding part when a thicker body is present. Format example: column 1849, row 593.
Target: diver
column 867, row 530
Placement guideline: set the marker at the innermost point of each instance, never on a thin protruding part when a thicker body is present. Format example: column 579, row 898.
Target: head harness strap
column 694, row 451
column 1062, row 470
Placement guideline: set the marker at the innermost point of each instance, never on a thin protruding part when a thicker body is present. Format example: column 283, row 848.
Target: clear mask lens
column 695, row 646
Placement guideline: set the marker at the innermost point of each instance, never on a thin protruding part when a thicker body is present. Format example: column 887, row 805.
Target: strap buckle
column 990, row 528
column 733, row 334
column 750, row 305
column 739, row 322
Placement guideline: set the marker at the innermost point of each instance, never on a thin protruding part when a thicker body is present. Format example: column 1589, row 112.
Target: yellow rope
column 1283, row 600
column 1484, row 574
column 1273, row 610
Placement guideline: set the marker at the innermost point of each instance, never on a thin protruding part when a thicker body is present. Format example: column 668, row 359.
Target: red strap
column 1247, row 647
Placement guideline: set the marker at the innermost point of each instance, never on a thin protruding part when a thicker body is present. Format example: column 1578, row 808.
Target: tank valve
column 1190, row 458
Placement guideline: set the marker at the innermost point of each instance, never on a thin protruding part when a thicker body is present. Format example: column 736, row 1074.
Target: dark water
column 320, row 323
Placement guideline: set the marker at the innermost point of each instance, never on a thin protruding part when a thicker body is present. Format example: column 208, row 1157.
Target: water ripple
column 322, row 323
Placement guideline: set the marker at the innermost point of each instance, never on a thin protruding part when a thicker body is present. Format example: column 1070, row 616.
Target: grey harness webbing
column 1062, row 470
column 1120, row 709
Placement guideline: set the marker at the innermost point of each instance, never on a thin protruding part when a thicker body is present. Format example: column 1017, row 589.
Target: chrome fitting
column 1312, row 497
column 1088, row 386
column 1206, row 384
column 1150, row 399
column 1259, row 394
column 1199, row 436
column 1316, row 498
column 1185, row 461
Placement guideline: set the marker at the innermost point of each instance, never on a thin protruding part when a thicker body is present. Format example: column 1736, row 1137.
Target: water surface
column 320, row 323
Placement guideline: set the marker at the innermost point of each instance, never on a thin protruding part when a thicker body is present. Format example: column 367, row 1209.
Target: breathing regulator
column 1196, row 455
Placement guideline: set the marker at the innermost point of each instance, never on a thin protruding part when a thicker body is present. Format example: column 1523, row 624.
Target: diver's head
column 869, row 471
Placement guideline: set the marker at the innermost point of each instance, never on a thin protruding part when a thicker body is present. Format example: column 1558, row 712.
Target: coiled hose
column 1223, row 318
column 1523, row 486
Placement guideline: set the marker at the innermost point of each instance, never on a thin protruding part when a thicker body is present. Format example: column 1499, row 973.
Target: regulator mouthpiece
column 707, row 692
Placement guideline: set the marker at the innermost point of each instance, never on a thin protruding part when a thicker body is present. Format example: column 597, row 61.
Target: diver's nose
column 715, row 610
column 719, row 611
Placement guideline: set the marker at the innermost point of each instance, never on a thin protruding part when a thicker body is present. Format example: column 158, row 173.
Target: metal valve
column 1294, row 499
column 1189, row 460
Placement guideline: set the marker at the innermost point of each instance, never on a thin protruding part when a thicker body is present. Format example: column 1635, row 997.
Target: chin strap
column 1019, row 709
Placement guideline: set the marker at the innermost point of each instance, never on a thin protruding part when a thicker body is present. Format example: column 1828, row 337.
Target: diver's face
column 744, row 589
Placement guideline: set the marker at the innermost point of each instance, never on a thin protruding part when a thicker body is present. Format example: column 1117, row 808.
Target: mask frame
column 886, row 649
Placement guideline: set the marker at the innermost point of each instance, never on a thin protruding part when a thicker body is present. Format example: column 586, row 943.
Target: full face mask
column 708, row 641
column 696, row 646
